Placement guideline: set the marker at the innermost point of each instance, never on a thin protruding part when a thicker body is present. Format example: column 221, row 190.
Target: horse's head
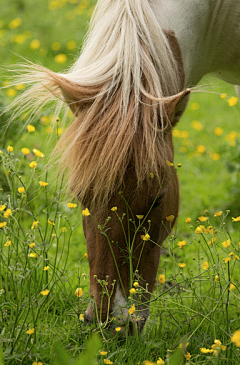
column 124, row 237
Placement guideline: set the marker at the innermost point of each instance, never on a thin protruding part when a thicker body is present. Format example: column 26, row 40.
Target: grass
column 191, row 305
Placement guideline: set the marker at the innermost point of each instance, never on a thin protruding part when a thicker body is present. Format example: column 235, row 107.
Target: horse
column 127, row 91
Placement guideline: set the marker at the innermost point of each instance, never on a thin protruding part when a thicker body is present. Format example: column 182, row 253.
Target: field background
column 207, row 144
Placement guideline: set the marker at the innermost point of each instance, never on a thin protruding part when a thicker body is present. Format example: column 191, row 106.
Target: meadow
column 44, row 280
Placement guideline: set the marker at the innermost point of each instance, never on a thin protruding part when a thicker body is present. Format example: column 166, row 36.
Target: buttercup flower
column 30, row 128
column 132, row 291
column 45, row 292
column 30, row 331
column 21, row 190
column 10, row 149
column 32, row 245
column 35, row 224
column 38, row 153
column 33, row 164
column 145, row 237
column 227, row 259
column 8, row 243
column 182, row 265
column 205, row 265
column 132, row 309
column 139, row 216
column 81, row 317
column 170, row 163
column 160, row 361
column 181, row 244
column 117, row 329
column 42, row 183
column 232, row 287
column 3, row 224
column 202, row 219
column 7, row 213
column 135, row 284
column 46, row 268
column 2, row 207
column 79, row 292
column 236, row 338
column 151, row 175
column 86, row 212
column 218, row 214
column 216, row 278
column 71, row 205
column 236, row 219
column 103, row 353
column 170, row 218
column 33, row 254
column 232, row 101
column 114, row 209
column 161, row 279
column 226, row 244
column 85, row 255
column 64, row 229
column 25, row 151
column 107, row 361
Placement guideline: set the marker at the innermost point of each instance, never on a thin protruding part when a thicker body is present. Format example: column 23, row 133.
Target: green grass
column 190, row 306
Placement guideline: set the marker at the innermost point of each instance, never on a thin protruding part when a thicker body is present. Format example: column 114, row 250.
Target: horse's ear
column 175, row 107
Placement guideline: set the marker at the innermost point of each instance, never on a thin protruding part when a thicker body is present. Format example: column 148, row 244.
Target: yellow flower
column 181, row 244
column 182, row 265
column 86, row 212
column 215, row 156
column 223, row 96
column 236, row 338
column 61, row 58
column 15, row 23
column 50, row 222
column 7, row 213
column 218, row 214
column 151, row 175
column 79, row 292
column 232, row 287
column 199, row 230
column 30, row 331
column 201, row 148
column 205, row 265
column 205, row 351
column 135, row 284
column 236, row 219
column 81, row 317
column 160, row 361
column 132, row 309
column 71, row 45
column 33, row 254
column 103, row 353
column 32, row 245
column 197, row 125
column 8, row 243
column 232, row 101
column 64, row 229
column 188, row 356
column 161, row 279
column 223, row 348
column 45, row 292
column 46, row 268
column 11, row 92
column 3, row 224
column 227, row 259
column 202, row 219
column 114, row 209
column 38, row 153
column 107, row 361
column 30, row 128
column 85, row 255
column 226, row 244
column 179, row 165
column 56, row 46
column 37, row 363
column 21, row 190
column 195, row 106
column 71, row 205
column 33, row 164
column 216, row 278
column 170, row 218
column 145, row 237
column 213, row 240
column 170, row 163
column 42, row 183
column 236, row 257
column 35, row 224
column 117, row 329
column 2, row 207
column 132, row 291
column 217, row 342
column 10, row 149
column 139, row 216
column 25, row 151
column 218, row 131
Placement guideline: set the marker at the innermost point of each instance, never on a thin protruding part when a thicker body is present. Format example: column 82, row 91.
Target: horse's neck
column 208, row 33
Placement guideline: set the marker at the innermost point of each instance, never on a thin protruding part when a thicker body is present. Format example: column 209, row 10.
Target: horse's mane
column 116, row 90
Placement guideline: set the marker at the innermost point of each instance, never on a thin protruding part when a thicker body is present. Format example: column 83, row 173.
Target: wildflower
column 71, row 45
column 85, row 255
column 35, row 224
column 215, row 156
column 45, row 292
column 181, row 244
column 195, row 106
column 236, row 219
column 151, row 175
column 160, row 361
column 79, row 292
column 218, row 214
column 205, row 265
column 132, row 291
column 161, row 279
column 145, row 237
column 231, row 254
column 33, row 254
column 30, row 128
column 216, row 278
column 184, row 134
column 38, row 153
column 33, row 164
column 226, row 244
column 204, row 350
column 223, row 96
column 223, row 348
column 37, row 363
column 170, row 163
column 117, row 329
column 7, row 213
column 170, row 218
column 199, row 229
column 232, row 101
column 10, row 149
column 236, row 338
column 188, row 220
column 32, row 245
column 182, row 265
column 202, row 219
column 114, row 209
column 81, row 317
column 213, row 240
column 227, row 259
column 179, row 165
column 71, row 205
column 135, row 284
column 197, row 125
column 86, row 212
column 15, row 23
column 61, row 58
column 8, row 243
column 54, row 235
column 25, row 151
column 51, row 222
column 11, row 92
column 218, row 131
column 30, row 331
column 132, row 309
column 188, row 356
column 107, row 361
column 2, row 207
column 232, row 287
column 21, row 190
column 3, row 224
column 56, row 46
column 201, row 148
column 103, row 353
column 217, row 342
column 236, row 257
column 64, row 229
column 139, row 216
column 46, row 268
column 43, row 184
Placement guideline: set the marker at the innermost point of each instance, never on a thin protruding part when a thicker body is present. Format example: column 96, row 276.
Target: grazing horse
column 127, row 90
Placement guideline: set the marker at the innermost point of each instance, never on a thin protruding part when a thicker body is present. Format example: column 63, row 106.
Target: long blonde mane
column 116, row 90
